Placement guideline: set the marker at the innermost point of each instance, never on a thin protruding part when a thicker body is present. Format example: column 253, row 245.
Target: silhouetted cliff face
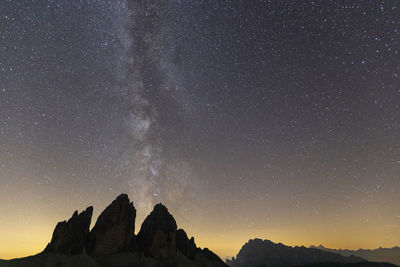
column 112, row 241
column 184, row 245
column 114, row 228
column 391, row 255
column 157, row 236
column 259, row 253
column 70, row 236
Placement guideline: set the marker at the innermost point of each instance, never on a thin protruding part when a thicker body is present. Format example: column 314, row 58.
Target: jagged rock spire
column 157, row 236
column 114, row 229
column 69, row 237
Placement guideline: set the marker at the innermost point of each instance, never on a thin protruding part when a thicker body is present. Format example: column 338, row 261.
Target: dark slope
column 352, row 264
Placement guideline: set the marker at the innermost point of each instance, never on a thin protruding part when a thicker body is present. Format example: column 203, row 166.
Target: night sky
column 270, row 119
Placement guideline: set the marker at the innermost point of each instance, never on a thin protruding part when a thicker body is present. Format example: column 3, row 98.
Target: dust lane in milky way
column 270, row 119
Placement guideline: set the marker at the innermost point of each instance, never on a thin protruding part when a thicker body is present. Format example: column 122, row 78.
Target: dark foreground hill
column 264, row 253
column 391, row 255
column 351, row 264
column 112, row 242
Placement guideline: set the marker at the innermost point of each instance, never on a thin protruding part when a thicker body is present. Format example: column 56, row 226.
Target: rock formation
column 112, row 241
column 157, row 236
column 69, row 237
column 114, row 228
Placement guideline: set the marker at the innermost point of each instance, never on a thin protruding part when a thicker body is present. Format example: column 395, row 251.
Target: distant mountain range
column 391, row 255
column 264, row 253
column 112, row 242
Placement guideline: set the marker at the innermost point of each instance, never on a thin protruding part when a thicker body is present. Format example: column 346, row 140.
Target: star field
column 269, row 119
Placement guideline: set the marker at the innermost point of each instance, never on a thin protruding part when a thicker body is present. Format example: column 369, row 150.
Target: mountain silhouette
column 159, row 243
column 264, row 253
column 391, row 255
column 112, row 242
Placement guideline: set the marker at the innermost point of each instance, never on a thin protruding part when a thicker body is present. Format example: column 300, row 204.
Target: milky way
column 153, row 107
column 270, row 119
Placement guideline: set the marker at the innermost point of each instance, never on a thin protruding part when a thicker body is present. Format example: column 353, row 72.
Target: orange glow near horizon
column 25, row 238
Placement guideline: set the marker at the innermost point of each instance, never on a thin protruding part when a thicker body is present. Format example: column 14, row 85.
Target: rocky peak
column 114, row 229
column 160, row 218
column 69, row 237
column 157, row 236
column 160, row 208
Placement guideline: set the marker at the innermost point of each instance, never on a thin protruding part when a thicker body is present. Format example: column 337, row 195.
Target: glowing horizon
column 32, row 238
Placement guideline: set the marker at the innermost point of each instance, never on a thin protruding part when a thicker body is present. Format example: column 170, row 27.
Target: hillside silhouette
column 391, row 255
column 263, row 253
